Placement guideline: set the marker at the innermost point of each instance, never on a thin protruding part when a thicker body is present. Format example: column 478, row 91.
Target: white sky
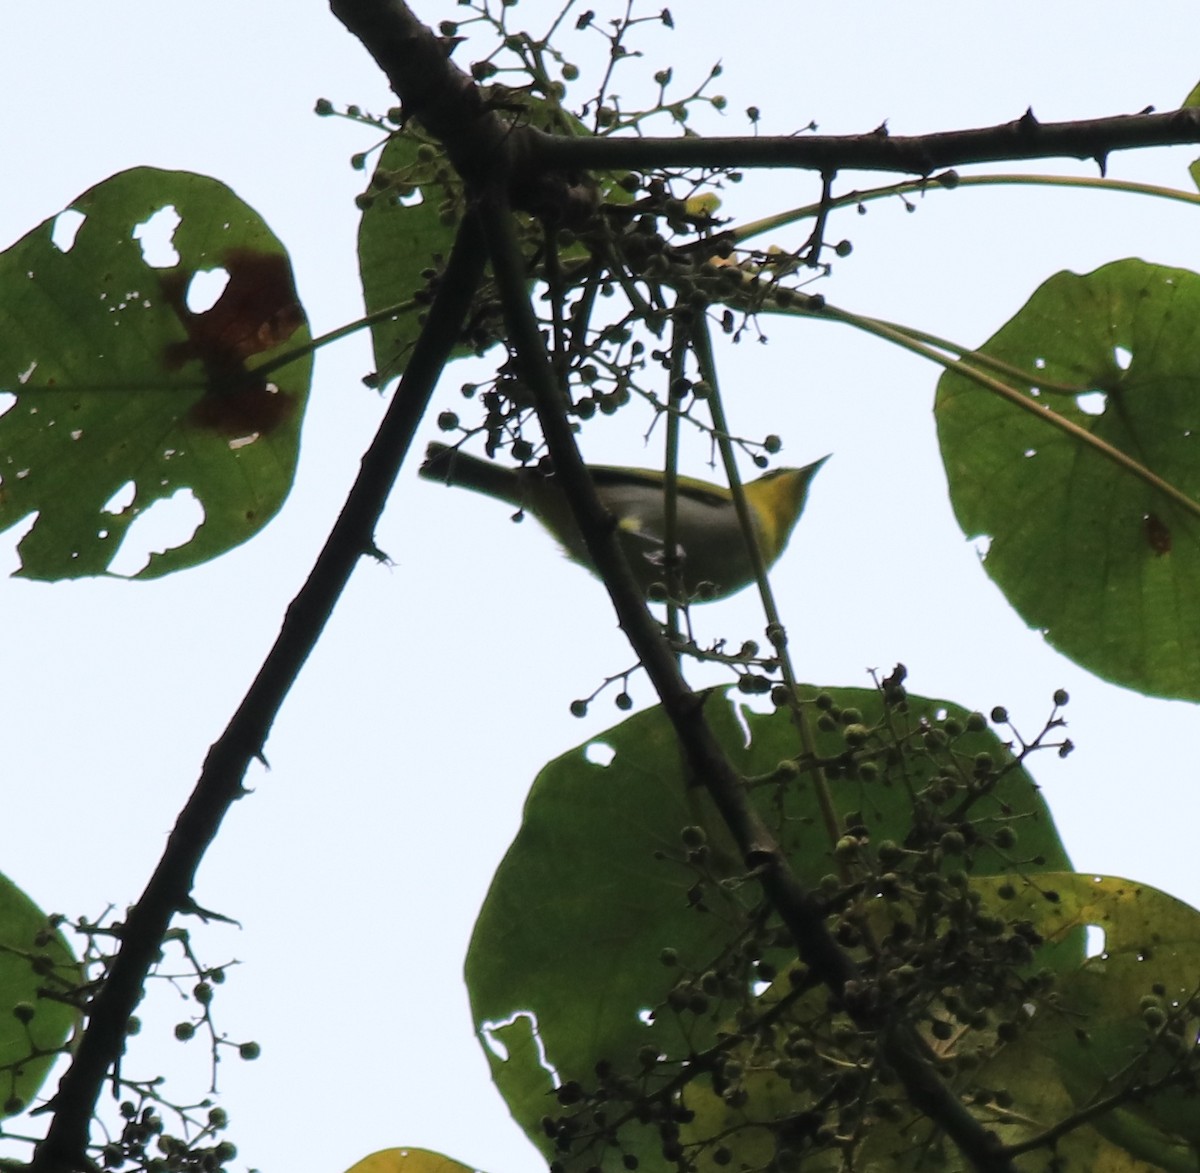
column 401, row 760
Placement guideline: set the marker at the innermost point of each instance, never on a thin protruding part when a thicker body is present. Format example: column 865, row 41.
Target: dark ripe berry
column 569, row 1093
column 999, row 715
column 1061, row 697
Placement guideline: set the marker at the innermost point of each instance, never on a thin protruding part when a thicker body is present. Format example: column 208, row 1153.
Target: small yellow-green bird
column 714, row 561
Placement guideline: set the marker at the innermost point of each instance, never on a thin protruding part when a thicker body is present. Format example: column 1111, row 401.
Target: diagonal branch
column 800, row 911
column 448, row 104
column 220, row 784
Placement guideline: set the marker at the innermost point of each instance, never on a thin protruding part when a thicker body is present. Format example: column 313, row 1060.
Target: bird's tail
column 451, row 466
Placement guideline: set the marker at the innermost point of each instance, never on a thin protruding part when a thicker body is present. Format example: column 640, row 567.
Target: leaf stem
column 949, row 181
column 1019, row 399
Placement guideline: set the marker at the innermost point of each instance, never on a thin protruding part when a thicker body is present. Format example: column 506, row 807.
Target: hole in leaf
column 1122, row 357
column 488, row 1032
column 739, row 713
column 66, row 227
column 121, row 499
column 599, row 753
column 7, row 401
column 982, row 545
column 165, row 525
column 412, row 200
column 205, row 289
column 1094, row 946
column 1091, row 402
column 10, row 560
column 1039, row 364
column 1029, row 452
column 646, row 1016
column 155, row 236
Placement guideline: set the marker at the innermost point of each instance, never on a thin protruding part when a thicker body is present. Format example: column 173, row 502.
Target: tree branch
column 220, row 784
column 447, row 102
column 1026, row 138
column 707, row 761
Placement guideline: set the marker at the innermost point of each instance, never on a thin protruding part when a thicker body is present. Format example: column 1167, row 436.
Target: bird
column 713, row 559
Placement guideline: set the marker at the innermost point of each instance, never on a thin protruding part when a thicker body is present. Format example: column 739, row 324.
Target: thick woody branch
column 707, row 761
column 221, row 779
column 482, row 146
column 1025, row 138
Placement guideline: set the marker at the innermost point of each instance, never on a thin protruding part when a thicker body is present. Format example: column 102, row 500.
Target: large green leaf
column 1129, row 1016
column 411, row 211
column 565, row 961
column 119, row 383
column 407, row 229
column 408, row 1160
column 1107, row 566
column 1193, row 99
column 38, row 976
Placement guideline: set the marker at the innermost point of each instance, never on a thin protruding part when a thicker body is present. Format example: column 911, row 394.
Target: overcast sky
column 400, row 762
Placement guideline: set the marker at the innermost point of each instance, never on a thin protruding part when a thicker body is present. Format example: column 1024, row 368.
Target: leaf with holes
column 565, row 968
column 1193, row 99
column 407, row 230
column 411, row 211
column 1121, row 1027
column 124, row 390
column 1105, row 564
column 38, row 980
